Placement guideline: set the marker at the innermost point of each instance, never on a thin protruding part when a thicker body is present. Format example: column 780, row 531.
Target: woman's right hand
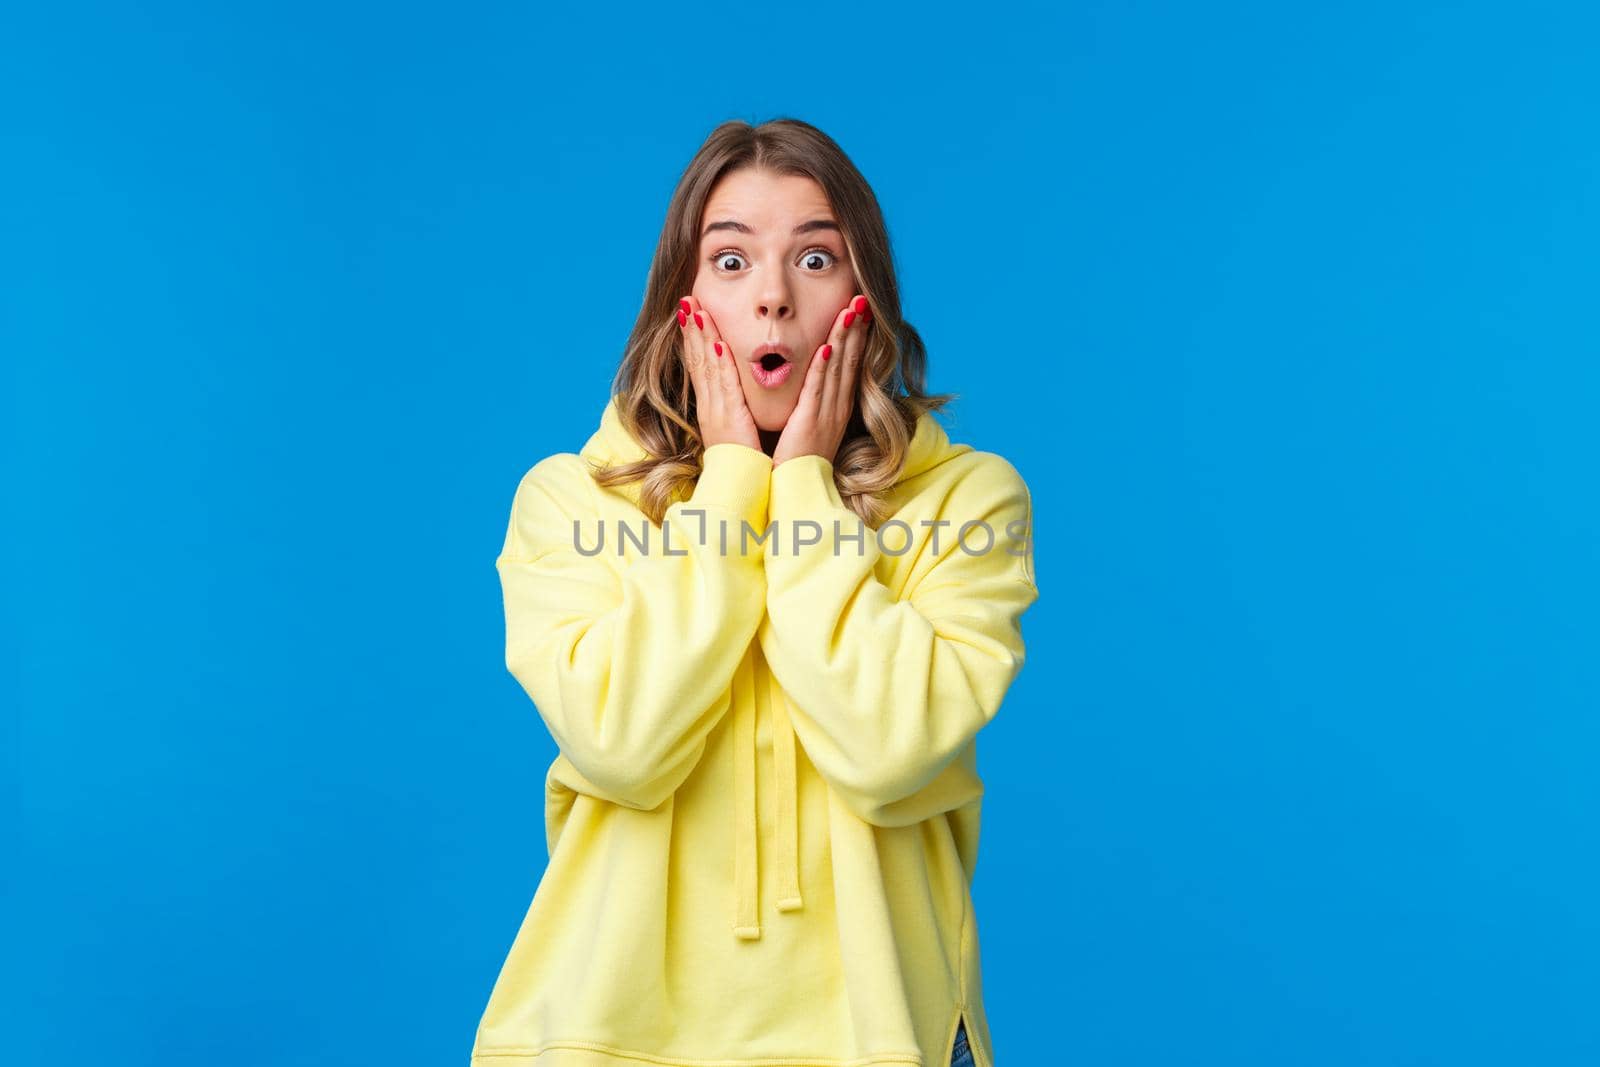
column 719, row 398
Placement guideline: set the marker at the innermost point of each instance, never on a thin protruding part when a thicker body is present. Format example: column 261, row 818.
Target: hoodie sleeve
column 629, row 661
column 890, row 692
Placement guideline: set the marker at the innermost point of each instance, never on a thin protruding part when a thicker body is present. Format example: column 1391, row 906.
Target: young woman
column 764, row 613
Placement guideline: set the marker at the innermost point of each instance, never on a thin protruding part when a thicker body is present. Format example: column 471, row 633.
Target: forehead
column 767, row 202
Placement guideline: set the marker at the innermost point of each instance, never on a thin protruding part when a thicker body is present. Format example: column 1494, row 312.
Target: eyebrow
column 736, row 225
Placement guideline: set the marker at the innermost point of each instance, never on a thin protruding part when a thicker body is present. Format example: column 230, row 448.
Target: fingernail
column 849, row 317
column 718, row 347
column 683, row 302
column 859, row 304
column 866, row 316
column 698, row 321
column 683, row 320
column 827, row 350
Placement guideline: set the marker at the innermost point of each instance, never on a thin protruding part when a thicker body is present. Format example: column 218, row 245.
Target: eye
column 814, row 252
column 720, row 259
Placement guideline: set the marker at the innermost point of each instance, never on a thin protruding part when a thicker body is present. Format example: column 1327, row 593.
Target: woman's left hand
column 828, row 395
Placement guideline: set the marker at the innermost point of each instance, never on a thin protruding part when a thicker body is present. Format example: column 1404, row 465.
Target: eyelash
column 717, row 256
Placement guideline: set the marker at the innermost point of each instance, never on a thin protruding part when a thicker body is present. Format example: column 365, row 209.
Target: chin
column 769, row 421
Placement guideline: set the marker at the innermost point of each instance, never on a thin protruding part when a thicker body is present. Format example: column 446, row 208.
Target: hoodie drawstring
column 749, row 699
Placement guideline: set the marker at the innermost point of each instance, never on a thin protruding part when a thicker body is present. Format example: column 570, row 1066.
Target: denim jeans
column 961, row 1054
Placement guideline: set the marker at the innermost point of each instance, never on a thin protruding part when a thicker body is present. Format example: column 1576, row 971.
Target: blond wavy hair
column 652, row 385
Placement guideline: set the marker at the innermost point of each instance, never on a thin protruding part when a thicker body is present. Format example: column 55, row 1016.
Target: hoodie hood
column 613, row 444
column 757, row 689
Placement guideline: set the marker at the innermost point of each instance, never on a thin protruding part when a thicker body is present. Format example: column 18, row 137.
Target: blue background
column 1286, row 313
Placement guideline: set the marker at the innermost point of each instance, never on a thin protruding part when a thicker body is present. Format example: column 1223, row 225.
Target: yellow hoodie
column 763, row 821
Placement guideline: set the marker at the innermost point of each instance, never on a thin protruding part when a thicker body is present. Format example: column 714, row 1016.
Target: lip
column 772, row 379
column 772, row 346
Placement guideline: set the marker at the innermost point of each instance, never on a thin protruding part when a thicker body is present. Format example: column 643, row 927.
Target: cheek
column 701, row 285
column 839, row 298
column 825, row 316
column 708, row 298
column 723, row 316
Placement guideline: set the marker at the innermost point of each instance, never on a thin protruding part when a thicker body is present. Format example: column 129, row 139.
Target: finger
column 693, row 355
column 727, row 371
column 724, row 373
column 723, row 397
column 810, row 402
column 836, row 337
column 855, row 347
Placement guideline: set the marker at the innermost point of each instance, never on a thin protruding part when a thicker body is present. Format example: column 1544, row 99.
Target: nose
column 774, row 299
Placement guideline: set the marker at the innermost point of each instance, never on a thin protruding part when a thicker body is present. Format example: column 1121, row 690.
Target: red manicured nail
column 859, row 304
column 698, row 321
column 718, row 347
column 849, row 317
column 827, row 350
column 684, row 304
column 683, row 319
column 866, row 316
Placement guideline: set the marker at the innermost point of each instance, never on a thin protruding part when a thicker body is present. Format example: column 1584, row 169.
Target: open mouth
column 771, row 370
